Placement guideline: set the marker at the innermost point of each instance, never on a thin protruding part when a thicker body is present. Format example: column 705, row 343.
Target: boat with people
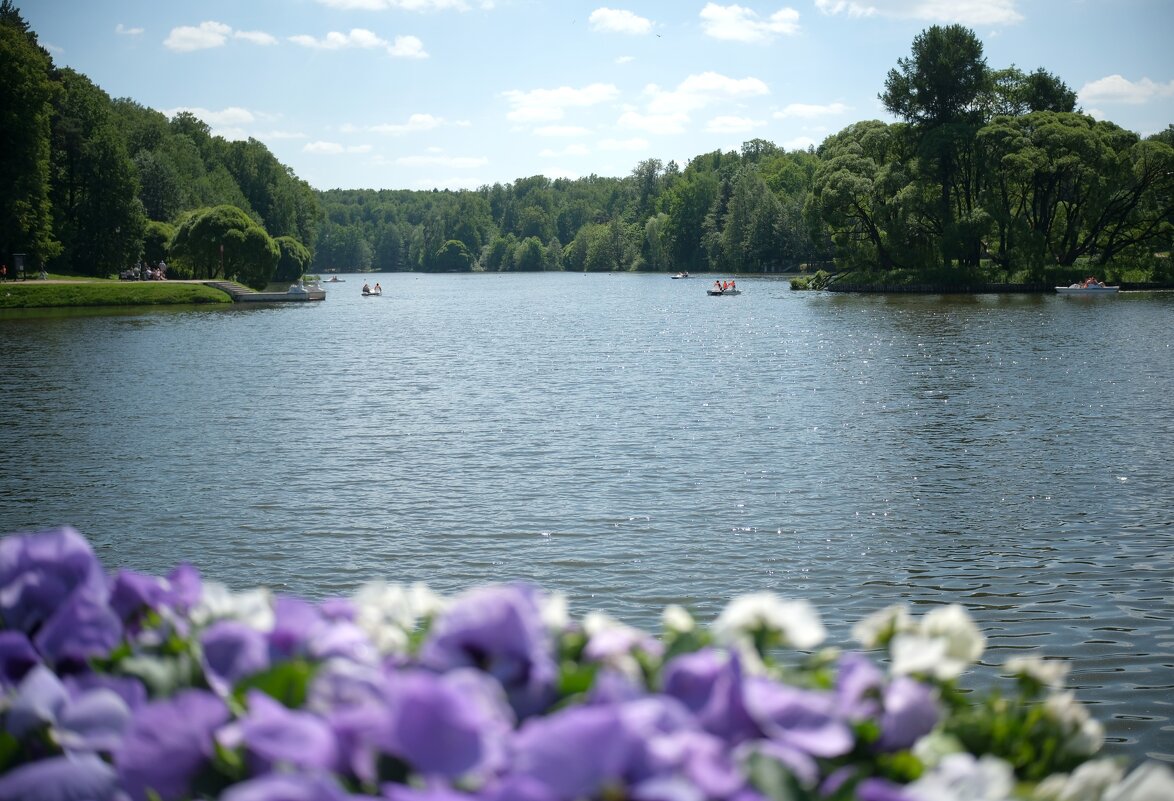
column 372, row 292
column 1089, row 286
column 724, row 288
column 336, row 280
column 680, row 275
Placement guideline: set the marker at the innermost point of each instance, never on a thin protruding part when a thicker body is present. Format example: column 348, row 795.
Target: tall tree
column 93, row 184
column 26, row 95
column 938, row 90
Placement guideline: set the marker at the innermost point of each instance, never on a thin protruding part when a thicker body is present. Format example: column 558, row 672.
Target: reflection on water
column 633, row 442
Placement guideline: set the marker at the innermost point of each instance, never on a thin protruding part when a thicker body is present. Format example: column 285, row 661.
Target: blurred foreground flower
column 127, row 686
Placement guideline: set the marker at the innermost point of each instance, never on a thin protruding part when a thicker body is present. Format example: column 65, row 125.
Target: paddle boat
column 723, row 288
column 680, row 275
column 1089, row 287
column 336, row 280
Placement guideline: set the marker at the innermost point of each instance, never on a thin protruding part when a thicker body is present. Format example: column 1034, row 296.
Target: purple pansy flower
column 581, row 751
column 500, row 631
column 129, row 688
column 231, row 652
column 709, row 684
column 39, row 571
column 801, row 719
column 273, row 735
column 92, row 721
column 443, row 725
column 168, row 743
column 62, row 778
column 17, row 658
column 83, row 626
column 910, row 712
column 133, row 594
column 288, row 787
column 858, row 687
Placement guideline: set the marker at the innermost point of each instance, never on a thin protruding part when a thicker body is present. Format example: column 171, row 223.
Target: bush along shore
column 51, row 294
column 120, row 685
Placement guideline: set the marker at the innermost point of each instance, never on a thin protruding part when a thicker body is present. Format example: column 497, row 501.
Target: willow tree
column 223, row 241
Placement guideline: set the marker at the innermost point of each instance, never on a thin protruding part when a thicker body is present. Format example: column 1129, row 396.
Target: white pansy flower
column 615, row 644
column 1151, row 781
column 555, row 613
column 936, row 746
column 1087, row 783
column 951, row 623
column 676, row 618
column 961, row 777
column 388, row 613
column 914, row 654
column 880, row 627
column 1085, row 735
column 1048, row 672
column 796, row 622
column 254, row 608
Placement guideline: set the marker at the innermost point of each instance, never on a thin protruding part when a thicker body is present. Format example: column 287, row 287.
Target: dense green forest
column 992, row 167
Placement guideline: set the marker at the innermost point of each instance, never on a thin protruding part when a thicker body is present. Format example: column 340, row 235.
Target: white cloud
column 739, row 24
column 611, row 20
column 402, row 5
column 122, row 30
column 415, row 123
column 267, row 135
column 625, row 59
column 698, row 91
column 256, row 37
column 407, row 47
column 231, row 117
column 206, row 35
column 455, row 162
column 625, row 145
column 653, row 123
column 809, row 111
column 562, row 130
column 1118, row 89
column 363, row 39
column 540, row 105
column 334, row 148
column 964, row 12
column 187, row 38
column 569, row 150
column 731, row 124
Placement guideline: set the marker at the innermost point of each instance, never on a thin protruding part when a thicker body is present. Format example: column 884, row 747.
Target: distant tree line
column 994, row 166
column 984, row 166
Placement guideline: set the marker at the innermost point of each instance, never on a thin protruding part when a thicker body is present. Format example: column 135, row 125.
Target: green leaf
column 286, row 683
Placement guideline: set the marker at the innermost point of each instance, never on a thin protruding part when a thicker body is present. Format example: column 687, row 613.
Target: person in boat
column 366, row 288
column 717, row 285
column 378, row 289
column 732, row 284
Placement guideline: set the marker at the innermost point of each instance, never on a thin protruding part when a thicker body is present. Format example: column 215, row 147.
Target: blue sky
column 417, row 94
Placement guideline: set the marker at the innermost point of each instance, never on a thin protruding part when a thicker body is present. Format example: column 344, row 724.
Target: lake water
column 632, row 442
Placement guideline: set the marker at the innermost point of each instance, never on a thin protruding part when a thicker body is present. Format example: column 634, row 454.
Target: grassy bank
column 49, row 294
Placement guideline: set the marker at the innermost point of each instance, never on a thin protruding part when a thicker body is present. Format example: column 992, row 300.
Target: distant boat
column 336, row 280
column 680, row 275
column 1087, row 289
column 723, row 288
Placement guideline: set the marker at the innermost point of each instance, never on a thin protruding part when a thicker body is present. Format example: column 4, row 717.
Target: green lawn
column 37, row 294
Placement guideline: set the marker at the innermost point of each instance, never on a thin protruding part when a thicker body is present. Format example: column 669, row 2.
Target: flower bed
column 122, row 685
